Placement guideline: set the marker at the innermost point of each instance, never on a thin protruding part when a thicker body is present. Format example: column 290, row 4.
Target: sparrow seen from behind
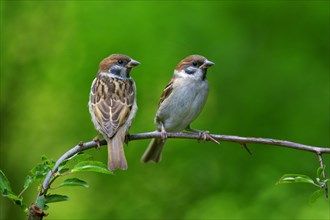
column 180, row 103
column 112, row 105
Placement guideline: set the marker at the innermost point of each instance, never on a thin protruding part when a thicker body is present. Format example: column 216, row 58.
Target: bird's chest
column 184, row 104
column 189, row 96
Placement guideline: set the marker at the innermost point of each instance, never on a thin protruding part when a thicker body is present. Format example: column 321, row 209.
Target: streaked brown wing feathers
column 112, row 100
column 167, row 91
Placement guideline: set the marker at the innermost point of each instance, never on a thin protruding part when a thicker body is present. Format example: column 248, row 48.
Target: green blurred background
column 271, row 79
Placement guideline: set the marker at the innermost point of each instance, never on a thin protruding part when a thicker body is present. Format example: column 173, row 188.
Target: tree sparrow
column 181, row 102
column 112, row 105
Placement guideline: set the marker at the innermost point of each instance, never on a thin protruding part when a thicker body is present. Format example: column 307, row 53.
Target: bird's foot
column 81, row 143
column 97, row 141
column 203, row 135
column 163, row 135
column 126, row 140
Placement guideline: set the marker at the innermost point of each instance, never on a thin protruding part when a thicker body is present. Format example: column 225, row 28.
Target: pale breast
column 183, row 105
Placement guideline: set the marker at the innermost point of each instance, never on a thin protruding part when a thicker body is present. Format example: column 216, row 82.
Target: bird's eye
column 194, row 63
column 120, row 61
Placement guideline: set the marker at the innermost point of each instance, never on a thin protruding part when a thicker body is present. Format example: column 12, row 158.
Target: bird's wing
column 167, row 91
column 112, row 100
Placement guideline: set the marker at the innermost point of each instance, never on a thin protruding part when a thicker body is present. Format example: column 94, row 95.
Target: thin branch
column 183, row 135
column 323, row 174
column 235, row 139
column 78, row 148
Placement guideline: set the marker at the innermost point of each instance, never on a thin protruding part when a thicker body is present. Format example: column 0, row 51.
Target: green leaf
column 78, row 158
column 47, row 162
column 41, row 200
column 315, row 195
column 56, row 198
column 6, row 191
column 63, row 163
column 295, row 178
column 10, row 195
column 72, row 161
column 28, row 181
column 74, row 182
column 92, row 166
column 4, row 182
column 63, row 170
column 39, row 171
column 44, row 158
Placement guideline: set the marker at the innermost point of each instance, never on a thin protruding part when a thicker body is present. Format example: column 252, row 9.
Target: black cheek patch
column 115, row 71
column 128, row 72
column 204, row 74
column 189, row 71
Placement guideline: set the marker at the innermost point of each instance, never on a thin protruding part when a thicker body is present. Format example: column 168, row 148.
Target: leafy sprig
column 320, row 182
column 81, row 162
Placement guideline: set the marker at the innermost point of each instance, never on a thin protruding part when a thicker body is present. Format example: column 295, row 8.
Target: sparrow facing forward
column 112, row 105
column 181, row 102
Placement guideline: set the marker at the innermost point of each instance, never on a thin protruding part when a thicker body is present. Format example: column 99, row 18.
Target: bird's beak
column 133, row 63
column 207, row 64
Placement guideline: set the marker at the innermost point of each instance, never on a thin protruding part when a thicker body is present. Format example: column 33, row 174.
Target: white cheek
column 182, row 74
column 106, row 74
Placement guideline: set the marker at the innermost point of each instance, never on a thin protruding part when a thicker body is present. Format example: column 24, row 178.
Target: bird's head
column 117, row 64
column 193, row 66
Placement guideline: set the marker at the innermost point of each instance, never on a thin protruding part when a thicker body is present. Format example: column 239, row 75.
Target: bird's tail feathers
column 116, row 154
column 154, row 151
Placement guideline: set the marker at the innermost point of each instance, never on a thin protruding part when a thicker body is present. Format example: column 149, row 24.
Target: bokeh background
column 271, row 79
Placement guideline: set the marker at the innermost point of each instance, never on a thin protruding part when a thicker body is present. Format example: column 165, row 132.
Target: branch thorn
column 244, row 145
